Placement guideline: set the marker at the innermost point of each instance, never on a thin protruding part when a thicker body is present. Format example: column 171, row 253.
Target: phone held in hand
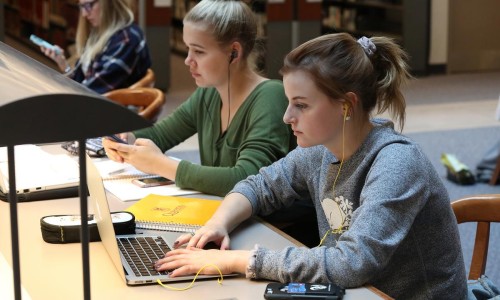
column 43, row 43
column 295, row 290
column 152, row 181
column 115, row 138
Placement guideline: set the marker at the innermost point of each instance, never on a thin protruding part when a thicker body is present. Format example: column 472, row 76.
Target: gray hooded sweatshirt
column 393, row 226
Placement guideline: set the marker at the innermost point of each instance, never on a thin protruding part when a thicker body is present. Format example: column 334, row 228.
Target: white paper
column 125, row 190
column 117, row 179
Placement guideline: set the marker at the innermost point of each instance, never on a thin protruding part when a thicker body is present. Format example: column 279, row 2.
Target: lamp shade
column 40, row 105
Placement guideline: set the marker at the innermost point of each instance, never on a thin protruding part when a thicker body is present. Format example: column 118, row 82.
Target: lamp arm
column 14, row 230
column 84, row 216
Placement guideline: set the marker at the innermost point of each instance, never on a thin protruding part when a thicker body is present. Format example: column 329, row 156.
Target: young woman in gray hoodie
column 383, row 214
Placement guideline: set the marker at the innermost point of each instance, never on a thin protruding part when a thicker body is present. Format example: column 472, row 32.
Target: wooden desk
column 53, row 271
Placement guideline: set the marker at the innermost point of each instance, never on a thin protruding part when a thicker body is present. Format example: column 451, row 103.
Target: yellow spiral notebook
column 171, row 213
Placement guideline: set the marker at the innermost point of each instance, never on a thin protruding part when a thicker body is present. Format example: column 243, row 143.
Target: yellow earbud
column 345, row 106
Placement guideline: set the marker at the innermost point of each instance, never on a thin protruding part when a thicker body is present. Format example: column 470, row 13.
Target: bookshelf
column 52, row 20
column 274, row 20
column 406, row 21
column 56, row 21
column 180, row 8
column 370, row 17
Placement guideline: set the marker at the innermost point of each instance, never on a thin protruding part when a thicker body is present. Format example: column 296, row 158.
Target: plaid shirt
column 124, row 60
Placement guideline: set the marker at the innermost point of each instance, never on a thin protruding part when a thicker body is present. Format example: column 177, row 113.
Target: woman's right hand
column 211, row 232
column 109, row 149
column 57, row 56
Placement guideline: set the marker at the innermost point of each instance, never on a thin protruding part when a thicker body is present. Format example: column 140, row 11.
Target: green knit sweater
column 256, row 137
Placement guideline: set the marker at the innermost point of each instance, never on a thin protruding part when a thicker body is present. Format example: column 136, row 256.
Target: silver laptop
column 118, row 245
column 39, row 174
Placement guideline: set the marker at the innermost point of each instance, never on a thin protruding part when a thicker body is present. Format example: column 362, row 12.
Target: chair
column 496, row 173
column 482, row 209
column 147, row 81
column 148, row 100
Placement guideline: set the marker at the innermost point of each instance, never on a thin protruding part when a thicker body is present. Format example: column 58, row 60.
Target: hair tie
column 367, row 45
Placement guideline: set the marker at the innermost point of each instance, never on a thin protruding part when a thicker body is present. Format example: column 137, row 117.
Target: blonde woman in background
column 111, row 48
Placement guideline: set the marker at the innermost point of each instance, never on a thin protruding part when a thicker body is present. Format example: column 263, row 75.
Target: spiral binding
column 163, row 226
column 129, row 176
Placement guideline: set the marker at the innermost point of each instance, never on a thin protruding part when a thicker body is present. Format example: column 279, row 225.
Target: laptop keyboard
column 93, row 146
column 142, row 252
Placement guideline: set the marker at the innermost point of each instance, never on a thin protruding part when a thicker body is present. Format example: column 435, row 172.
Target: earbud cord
column 219, row 280
column 342, row 159
column 340, row 229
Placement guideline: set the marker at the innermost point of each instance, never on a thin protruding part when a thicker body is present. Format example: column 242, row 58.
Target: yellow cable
column 340, row 228
column 342, row 159
column 219, row 280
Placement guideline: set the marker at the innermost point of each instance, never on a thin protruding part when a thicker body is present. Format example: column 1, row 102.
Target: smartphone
column 116, row 139
column 43, row 43
column 152, row 181
column 296, row 290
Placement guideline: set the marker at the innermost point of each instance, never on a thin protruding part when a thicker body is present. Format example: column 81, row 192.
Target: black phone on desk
column 152, row 181
column 303, row 291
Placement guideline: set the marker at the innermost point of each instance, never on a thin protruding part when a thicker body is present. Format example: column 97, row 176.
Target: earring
column 347, row 118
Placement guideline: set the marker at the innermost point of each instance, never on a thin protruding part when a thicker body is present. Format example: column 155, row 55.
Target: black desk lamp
column 39, row 105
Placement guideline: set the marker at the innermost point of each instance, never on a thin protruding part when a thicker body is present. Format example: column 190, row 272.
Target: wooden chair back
column 482, row 209
column 496, row 173
column 147, row 81
column 149, row 101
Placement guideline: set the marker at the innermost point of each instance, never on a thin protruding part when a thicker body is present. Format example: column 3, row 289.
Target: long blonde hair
column 114, row 15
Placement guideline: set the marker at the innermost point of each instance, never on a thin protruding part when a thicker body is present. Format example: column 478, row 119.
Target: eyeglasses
column 87, row 6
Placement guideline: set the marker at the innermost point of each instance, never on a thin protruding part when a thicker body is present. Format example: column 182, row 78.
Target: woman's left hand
column 189, row 261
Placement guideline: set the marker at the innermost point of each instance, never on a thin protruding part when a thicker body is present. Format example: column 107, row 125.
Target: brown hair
column 339, row 64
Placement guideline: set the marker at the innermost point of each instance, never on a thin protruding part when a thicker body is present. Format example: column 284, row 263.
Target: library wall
column 438, row 39
column 158, row 20
column 472, row 40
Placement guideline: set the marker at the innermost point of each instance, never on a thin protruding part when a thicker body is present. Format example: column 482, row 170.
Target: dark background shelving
column 407, row 21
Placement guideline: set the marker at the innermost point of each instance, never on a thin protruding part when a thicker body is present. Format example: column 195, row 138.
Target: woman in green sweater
column 237, row 113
